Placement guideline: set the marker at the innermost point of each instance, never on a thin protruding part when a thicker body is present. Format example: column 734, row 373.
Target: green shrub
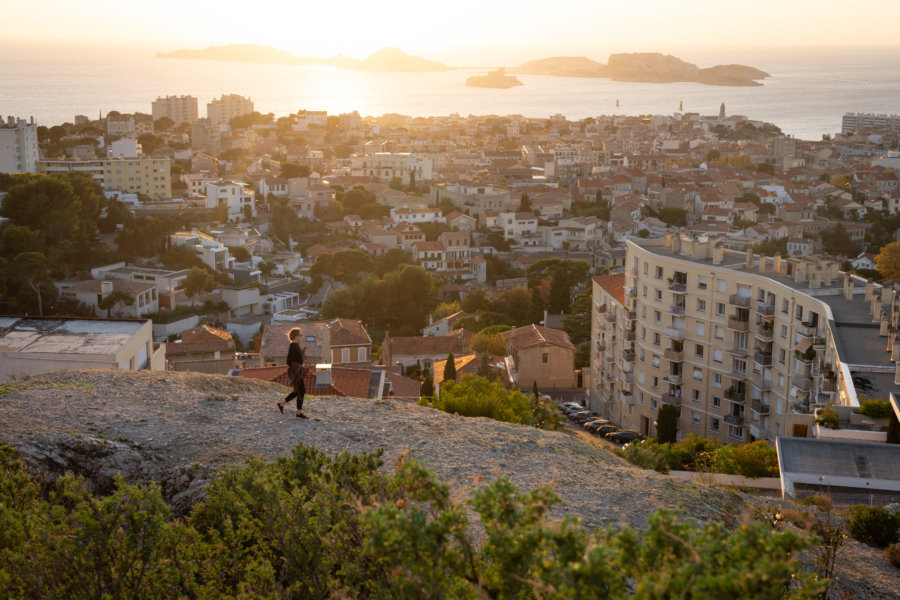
column 892, row 554
column 757, row 459
column 829, row 418
column 476, row 396
column 311, row 526
column 876, row 409
column 874, row 525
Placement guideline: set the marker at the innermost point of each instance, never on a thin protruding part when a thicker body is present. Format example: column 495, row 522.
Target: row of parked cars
column 597, row 425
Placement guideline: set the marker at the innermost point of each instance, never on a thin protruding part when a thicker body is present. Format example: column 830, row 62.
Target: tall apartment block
column 181, row 109
column 747, row 346
column 859, row 122
column 149, row 176
column 222, row 110
column 18, row 146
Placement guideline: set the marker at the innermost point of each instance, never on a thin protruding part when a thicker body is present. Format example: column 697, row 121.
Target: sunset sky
column 459, row 32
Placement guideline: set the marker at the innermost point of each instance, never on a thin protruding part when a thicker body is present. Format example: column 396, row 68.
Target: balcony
column 736, row 395
column 759, row 408
column 601, row 348
column 742, row 301
column 610, row 317
column 601, row 309
column 630, row 336
column 676, row 309
column 808, row 329
column 627, row 377
column 763, row 359
column 739, row 375
column 675, row 334
column 631, row 315
column 671, row 399
column 739, row 323
column 764, row 334
column 765, row 310
column 673, row 379
column 738, row 351
column 803, row 384
column 677, row 287
column 628, row 357
column 674, row 355
column 734, row 419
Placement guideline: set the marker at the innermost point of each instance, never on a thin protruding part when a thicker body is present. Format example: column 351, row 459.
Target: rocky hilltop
column 179, row 428
column 386, row 59
column 651, row 67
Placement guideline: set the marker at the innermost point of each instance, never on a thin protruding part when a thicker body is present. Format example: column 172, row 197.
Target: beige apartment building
column 181, row 109
column 149, row 176
column 222, row 110
column 747, row 347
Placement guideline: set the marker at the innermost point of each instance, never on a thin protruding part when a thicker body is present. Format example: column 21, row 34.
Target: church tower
column 722, row 111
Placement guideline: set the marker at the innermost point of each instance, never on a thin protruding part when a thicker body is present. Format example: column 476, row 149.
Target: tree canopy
column 888, row 261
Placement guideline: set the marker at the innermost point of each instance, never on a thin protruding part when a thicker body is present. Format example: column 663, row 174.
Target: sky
column 458, row 33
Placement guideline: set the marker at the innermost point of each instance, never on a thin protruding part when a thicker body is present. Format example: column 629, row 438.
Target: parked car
column 595, row 422
column 584, row 416
column 593, row 426
column 623, row 437
column 605, row 429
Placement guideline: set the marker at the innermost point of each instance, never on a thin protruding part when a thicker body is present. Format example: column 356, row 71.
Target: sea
column 807, row 94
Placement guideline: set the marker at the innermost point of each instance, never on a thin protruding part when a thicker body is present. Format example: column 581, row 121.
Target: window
column 656, row 339
column 345, row 355
column 720, row 309
column 716, row 402
column 781, row 355
column 640, row 377
column 701, row 305
column 701, row 282
column 700, row 328
column 655, row 361
column 799, row 313
column 643, row 311
column 695, row 395
column 654, row 382
column 780, row 380
column 657, row 317
column 653, row 403
column 784, row 331
column 642, row 356
column 717, row 356
column 719, row 333
column 698, row 350
column 658, row 295
column 721, row 286
column 785, row 306
column 717, row 379
column 645, row 291
column 695, row 418
column 714, row 424
column 659, row 272
column 736, row 432
column 698, row 374
column 545, row 357
column 646, row 266
column 361, row 354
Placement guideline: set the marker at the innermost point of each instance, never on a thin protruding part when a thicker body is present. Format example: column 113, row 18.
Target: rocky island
column 651, row 67
column 385, row 60
column 495, row 79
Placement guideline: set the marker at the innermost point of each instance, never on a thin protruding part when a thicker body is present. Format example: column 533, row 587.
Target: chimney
column 777, row 269
column 323, row 375
column 669, row 241
column 870, row 285
column 814, row 282
column 874, row 309
column 106, row 288
column 748, row 260
column 848, row 287
column 883, row 325
column 718, row 254
column 762, row 263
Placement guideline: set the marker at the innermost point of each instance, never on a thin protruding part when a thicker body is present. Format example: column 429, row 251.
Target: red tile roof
column 535, row 335
column 348, row 332
column 205, row 333
column 614, row 285
column 349, row 382
column 430, row 345
column 275, row 341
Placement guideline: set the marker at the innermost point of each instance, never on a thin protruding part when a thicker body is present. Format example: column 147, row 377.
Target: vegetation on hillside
column 311, row 526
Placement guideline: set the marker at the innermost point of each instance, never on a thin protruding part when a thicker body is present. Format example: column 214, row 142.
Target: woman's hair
column 293, row 333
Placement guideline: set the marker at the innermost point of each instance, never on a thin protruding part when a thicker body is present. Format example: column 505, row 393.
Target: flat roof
column 837, row 462
column 65, row 335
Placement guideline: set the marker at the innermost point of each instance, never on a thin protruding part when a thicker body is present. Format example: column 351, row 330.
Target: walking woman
column 295, row 371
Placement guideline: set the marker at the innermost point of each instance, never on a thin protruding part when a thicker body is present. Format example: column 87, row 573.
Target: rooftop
column 66, row 335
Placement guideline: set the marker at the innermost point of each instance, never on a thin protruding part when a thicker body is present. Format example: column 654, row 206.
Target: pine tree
column 450, row 368
column 667, row 424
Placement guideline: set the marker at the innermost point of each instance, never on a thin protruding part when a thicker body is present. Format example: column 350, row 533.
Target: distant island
column 385, row 60
column 637, row 66
column 651, row 67
column 494, row 79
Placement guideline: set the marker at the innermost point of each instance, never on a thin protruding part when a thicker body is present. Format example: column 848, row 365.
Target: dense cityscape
column 668, row 278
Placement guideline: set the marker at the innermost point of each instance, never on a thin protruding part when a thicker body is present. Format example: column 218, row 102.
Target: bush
column 758, row 459
column 874, row 525
column 311, row 526
column 829, row 418
column 876, row 409
column 892, row 554
column 705, row 455
column 479, row 397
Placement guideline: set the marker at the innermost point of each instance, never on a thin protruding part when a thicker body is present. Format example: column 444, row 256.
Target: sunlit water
column 806, row 95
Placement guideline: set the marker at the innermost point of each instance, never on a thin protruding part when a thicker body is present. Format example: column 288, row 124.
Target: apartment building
column 236, row 195
column 389, row 165
column 139, row 175
column 747, row 347
column 18, row 146
column 181, row 109
column 220, row 111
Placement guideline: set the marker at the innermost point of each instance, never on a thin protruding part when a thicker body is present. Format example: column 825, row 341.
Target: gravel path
column 178, row 428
